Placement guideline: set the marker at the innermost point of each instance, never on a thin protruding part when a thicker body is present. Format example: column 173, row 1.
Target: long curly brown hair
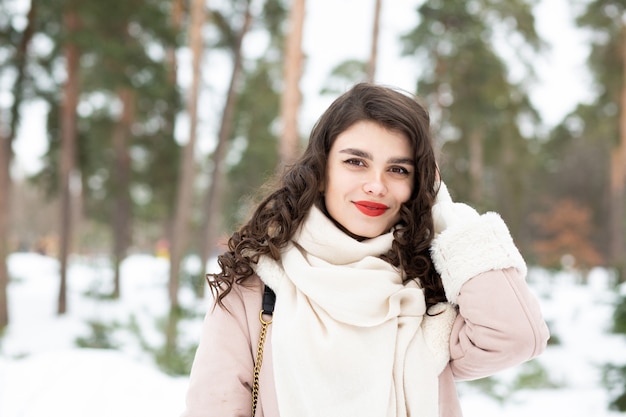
column 279, row 214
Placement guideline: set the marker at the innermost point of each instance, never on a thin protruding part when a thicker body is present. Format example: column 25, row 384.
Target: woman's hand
column 447, row 213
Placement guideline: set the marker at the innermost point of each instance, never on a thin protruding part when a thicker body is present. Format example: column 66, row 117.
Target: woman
column 386, row 290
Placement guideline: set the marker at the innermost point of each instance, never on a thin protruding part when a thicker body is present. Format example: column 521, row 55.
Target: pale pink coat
column 499, row 325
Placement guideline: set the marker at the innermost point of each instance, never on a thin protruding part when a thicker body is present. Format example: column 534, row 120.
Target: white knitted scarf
column 349, row 338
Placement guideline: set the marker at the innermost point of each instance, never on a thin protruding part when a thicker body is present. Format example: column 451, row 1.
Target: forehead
column 372, row 135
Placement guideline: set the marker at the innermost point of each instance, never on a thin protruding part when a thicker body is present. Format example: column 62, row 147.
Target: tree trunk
column 178, row 8
column 436, row 108
column 6, row 156
column 121, row 205
column 618, row 179
column 5, row 193
column 184, row 199
column 617, row 206
column 213, row 201
column 371, row 65
column 476, row 165
column 20, row 63
column 68, row 150
column 178, row 11
column 291, row 97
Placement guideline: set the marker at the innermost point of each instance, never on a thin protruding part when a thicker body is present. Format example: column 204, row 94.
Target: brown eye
column 354, row 161
column 399, row 170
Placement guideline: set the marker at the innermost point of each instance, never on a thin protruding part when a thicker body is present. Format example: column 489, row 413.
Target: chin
column 364, row 234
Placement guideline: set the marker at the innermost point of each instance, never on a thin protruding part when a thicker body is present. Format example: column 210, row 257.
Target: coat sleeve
column 499, row 325
column 221, row 375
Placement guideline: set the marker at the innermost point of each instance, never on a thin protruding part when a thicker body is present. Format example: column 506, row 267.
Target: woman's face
column 370, row 173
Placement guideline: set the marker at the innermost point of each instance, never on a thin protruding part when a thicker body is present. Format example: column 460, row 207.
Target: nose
column 375, row 186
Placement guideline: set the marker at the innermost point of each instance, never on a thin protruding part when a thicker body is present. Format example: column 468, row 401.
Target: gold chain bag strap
column 269, row 299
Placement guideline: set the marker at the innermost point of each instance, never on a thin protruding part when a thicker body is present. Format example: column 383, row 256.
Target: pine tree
column 475, row 106
column 607, row 62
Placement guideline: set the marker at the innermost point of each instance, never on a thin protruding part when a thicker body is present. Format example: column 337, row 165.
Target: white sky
column 339, row 30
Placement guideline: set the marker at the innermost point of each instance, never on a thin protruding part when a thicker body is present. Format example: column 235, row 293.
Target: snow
column 87, row 382
column 44, row 373
column 42, row 370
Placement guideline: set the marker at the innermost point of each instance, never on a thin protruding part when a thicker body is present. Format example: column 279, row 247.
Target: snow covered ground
column 44, row 374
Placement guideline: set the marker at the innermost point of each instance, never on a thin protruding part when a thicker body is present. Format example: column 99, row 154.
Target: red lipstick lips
column 371, row 208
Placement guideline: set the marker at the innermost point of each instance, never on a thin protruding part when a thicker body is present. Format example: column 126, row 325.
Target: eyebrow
column 367, row 155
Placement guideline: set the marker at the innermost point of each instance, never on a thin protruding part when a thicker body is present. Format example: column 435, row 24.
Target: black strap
column 269, row 299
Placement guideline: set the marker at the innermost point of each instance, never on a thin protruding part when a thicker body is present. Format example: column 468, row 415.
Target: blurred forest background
column 124, row 170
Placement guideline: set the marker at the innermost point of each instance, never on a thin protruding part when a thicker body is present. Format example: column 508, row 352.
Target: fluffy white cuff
column 467, row 249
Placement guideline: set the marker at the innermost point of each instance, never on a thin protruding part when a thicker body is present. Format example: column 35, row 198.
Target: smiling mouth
column 370, row 208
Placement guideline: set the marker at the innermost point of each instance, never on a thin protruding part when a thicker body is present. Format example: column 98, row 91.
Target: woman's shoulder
column 245, row 295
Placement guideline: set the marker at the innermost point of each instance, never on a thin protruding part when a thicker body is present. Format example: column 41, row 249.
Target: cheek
column 332, row 192
column 404, row 194
column 331, row 180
